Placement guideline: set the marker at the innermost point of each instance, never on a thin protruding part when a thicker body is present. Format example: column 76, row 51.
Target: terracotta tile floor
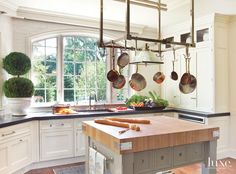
column 192, row 169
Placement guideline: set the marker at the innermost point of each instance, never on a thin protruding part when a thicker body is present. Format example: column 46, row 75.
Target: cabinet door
column 20, row 152
column 188, row 101
column 56, row 144
column 4, row 158
column 205, row 87
column 80, row 143
column 171, row 87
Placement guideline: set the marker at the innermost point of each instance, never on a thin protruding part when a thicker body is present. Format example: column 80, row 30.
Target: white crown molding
column 69, row 19
column 8, row 7
column 171, row 5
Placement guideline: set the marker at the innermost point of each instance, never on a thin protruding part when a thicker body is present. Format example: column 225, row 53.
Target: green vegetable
column 158, row 100
column 136, row 99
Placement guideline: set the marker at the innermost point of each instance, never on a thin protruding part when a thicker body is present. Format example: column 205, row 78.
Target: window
column 69, row 68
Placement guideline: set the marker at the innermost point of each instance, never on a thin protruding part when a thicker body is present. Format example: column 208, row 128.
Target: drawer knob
column 50, row 125
column 62, row 124
column 162, row 157
column 180, row 154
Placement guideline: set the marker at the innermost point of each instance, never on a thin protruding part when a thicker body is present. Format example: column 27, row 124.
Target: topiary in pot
column 18, row 90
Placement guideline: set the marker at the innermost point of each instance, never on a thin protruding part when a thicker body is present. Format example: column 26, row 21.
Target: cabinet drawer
column 144, row 161
column 195, row 152
column 180, row 155
column 12, row 131
column 163, row 158
column 56, row 124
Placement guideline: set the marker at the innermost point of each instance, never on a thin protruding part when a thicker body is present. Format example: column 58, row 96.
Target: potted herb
column 18, row 90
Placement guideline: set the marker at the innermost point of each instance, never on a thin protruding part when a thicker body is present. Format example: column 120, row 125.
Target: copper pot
column 113, row 75
column 120, row 82
column 159, row 77
column 123, row 60
column 188, row 81
column 137, row 81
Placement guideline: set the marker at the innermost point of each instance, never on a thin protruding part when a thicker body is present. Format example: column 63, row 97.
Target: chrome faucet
column 90, row 98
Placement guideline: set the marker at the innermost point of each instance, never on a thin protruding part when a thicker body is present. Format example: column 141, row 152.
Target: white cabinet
column 4, row 158
column 80, row 143
column 171, row 87
column 205, row 87
column 209, row 64
column 56, row 139
column 20, row 152
column 223, row 142
column 16, row 148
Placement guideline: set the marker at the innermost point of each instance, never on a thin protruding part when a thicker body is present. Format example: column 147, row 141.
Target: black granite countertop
column 12, row 120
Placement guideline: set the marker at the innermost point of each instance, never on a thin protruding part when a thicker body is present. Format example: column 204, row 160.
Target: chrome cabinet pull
column 3, row 135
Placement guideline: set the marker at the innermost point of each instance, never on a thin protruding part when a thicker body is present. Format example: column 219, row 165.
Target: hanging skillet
column 191, row 83
column 123, row 59
column 113, row 75
column 120, row 82
column 137, row 81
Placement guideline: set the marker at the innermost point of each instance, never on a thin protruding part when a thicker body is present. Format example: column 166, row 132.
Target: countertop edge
column 45, row 116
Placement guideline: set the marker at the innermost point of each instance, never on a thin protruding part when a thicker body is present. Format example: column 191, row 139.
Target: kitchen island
column 164, row 144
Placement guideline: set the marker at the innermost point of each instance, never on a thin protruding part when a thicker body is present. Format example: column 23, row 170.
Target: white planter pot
column 19, row 106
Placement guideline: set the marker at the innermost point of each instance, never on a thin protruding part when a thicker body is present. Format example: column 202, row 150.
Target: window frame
column 110, row 92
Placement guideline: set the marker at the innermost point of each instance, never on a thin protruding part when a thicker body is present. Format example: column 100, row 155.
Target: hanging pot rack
column 128, row 36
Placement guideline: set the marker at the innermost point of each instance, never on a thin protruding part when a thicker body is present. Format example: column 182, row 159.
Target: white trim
column 8, row 7
column 69, row 19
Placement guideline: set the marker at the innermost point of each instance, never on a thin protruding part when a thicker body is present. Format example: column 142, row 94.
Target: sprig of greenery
column 157, row 99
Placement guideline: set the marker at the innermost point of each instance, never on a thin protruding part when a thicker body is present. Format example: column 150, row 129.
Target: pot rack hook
column 187, row 55
column 174, row 54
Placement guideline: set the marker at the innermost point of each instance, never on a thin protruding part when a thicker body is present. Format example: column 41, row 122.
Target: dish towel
column 92, row 160
column 100, row 163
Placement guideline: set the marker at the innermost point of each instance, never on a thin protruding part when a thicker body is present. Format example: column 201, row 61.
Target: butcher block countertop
column 161, row 133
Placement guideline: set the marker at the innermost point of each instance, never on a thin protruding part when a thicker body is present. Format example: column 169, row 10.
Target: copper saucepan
column 120, row 82
column 189, row 81
column 159, row 77
column 137, row 81
column 123, row 60
column 113, row 75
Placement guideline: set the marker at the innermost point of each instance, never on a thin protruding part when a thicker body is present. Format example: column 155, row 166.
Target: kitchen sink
column 94, row 111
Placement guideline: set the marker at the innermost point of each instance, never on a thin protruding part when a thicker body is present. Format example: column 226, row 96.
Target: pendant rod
column 101, row 43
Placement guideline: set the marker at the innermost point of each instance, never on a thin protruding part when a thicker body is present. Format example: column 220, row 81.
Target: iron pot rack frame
column 149, row 4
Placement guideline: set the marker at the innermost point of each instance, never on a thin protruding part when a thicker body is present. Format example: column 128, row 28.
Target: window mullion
column 60, row 89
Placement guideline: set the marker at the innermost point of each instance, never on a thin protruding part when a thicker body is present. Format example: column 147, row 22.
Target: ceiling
column 114, row 11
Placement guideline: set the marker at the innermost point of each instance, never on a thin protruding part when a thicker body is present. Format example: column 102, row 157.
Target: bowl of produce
column 151, row 102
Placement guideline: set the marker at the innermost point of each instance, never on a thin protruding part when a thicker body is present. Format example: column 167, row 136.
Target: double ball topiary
column 17, row 64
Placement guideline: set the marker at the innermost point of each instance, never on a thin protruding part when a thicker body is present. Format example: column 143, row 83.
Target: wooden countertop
column 162, row 132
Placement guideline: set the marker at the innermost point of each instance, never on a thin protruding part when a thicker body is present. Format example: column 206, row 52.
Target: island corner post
column 165, row 144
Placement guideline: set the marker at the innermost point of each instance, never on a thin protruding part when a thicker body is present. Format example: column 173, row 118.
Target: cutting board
column 162, row 132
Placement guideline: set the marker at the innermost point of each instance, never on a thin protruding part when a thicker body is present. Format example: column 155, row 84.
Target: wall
column 202, row 8
column 232, row 70
column 5, row 48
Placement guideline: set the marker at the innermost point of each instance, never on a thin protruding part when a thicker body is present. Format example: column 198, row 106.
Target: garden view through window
column 69, row 68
